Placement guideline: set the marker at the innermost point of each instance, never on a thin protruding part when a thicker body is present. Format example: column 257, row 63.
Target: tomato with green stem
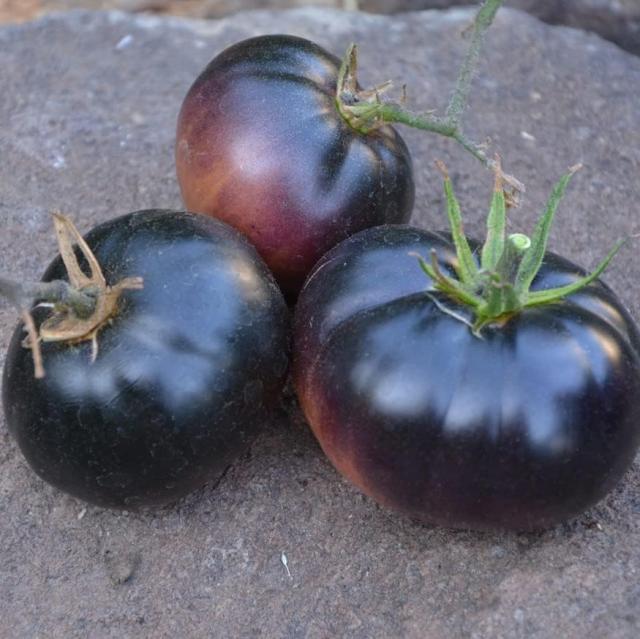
column 276, row 138
column 261, row 145
column 486, row 386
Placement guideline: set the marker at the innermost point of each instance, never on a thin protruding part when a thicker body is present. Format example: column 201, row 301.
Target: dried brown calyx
column 81, row 306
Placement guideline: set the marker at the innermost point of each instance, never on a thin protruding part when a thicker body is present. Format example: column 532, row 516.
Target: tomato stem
column 365, row 110
column 23, row 294
column 460, row 96
column 80, row 306
column 515, row 247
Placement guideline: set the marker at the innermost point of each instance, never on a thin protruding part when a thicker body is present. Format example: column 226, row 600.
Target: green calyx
column 499, row 287
column 364, row 110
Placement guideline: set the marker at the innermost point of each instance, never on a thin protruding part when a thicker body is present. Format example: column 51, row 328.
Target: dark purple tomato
column 261, row 145
column 524, row 426
column 185, row 372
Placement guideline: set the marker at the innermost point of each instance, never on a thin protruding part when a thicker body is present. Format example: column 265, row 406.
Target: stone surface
column 88, row 108
column 617, row 20
column 540, row 8
column 18, row 10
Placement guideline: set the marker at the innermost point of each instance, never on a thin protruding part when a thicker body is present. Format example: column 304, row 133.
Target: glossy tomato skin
column 521, row 429
column 261, row 145
column 184, row 375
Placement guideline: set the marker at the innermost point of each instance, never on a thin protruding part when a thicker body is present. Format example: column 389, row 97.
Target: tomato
column 262, row 146
column 184, row 374
column 519, row 425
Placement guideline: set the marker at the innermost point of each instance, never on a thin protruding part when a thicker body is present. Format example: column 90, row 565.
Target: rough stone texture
column 615, row 20
column 618, row 21
column 539, row 8
column 88, row 108
column 18, row 10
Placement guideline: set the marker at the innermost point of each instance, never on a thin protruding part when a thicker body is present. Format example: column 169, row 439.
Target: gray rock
column 87, row 107
column 543, row 7
column 191, row 8
column 618, row 21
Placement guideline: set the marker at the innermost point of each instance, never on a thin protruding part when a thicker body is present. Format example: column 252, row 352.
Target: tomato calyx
column 497, row 286
column 81, row 307
column 362, row 109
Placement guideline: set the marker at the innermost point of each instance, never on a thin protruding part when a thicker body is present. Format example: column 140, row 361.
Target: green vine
column 365, row 110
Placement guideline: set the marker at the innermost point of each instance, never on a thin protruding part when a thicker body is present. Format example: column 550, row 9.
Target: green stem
column 516, row 245
column 394, row 113
column 475, row 150
column 366, row 115
column 501, row 301
column 460, row 96
column 365, row 111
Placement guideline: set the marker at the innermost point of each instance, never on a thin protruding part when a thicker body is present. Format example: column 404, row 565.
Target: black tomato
column 184, row 373
column 519, row 427
column 262, row 146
